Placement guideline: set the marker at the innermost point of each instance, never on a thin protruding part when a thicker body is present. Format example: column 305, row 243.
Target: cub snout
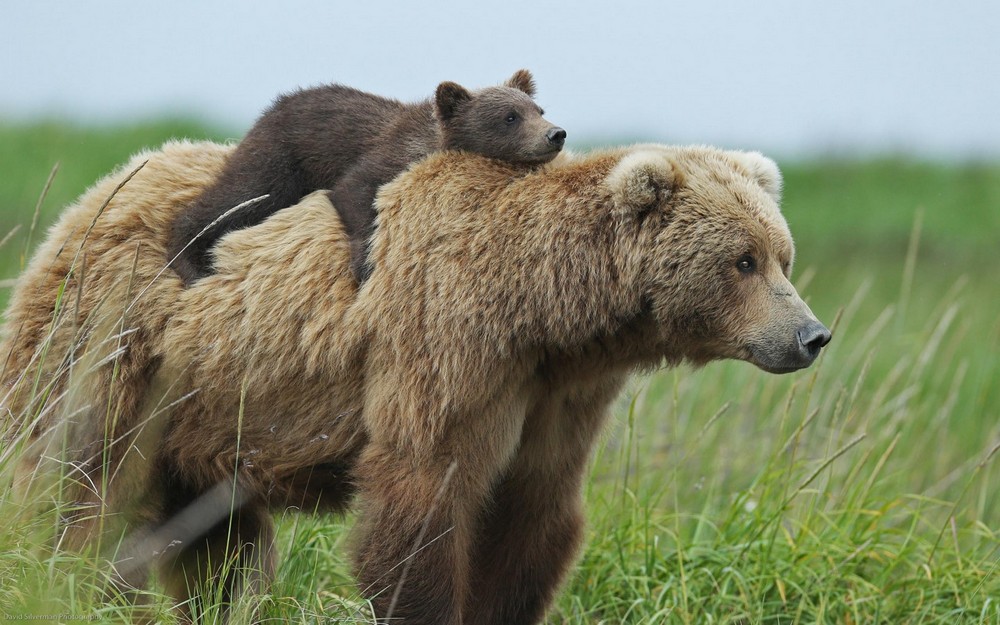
column 556, row 137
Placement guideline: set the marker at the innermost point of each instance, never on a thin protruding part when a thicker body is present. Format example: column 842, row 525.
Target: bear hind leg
column 234, row 558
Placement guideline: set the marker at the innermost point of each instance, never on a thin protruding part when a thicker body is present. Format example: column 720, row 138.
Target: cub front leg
column 354, row 199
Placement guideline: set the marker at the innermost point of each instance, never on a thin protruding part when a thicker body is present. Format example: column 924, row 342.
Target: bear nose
column 556, row 136
column 813, row 337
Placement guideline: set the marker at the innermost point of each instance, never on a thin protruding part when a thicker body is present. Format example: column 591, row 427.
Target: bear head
column 501, row 122
column 715, row 270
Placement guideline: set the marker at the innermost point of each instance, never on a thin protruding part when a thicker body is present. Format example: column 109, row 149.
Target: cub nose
column 556, row 136
column 813, row 337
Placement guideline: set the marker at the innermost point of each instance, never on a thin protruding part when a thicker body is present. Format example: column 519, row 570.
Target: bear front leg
column 530, row 535
column 529, row 539
column 412, row 556
column 354, row 199
column 418, row 522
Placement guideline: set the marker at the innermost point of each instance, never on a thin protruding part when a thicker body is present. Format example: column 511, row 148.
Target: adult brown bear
column 458, row 394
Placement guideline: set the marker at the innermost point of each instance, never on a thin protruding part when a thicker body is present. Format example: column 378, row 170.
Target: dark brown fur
column 351, row 142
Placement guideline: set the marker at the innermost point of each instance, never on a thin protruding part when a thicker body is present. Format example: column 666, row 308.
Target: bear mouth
column 545, row 156
column 778, row 370
column 773, row 359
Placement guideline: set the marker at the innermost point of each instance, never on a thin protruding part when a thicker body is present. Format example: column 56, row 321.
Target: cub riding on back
column 351, row 143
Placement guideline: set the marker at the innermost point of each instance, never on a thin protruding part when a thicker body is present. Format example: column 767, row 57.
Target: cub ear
column 448, row 97
column 763, row 170
column 523, row 81
column 641, row 180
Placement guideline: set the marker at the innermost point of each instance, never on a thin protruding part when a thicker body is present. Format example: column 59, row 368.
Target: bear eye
column 511, row 117
column 746, row 264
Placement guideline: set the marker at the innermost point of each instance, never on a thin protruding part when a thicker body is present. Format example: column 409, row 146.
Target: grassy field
column 864, row 490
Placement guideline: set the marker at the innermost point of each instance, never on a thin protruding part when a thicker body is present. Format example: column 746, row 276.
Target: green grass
column 863, row 490
column 80, row 156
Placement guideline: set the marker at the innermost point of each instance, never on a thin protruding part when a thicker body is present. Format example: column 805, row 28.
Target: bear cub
column 351, row 142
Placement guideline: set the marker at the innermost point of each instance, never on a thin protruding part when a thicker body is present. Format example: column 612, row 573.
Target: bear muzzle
column 792, row 350
column 812, row 337
column 556, row 137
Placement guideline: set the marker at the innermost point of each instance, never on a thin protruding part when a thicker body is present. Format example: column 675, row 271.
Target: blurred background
column 883, row 115
column 885, row 119
column 790, row 78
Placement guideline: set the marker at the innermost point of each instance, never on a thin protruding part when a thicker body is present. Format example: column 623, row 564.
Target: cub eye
column 746, row 264
column 511, row 117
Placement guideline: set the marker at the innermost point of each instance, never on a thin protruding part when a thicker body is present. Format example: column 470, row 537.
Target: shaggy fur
column 350, row 142
column 458, row 393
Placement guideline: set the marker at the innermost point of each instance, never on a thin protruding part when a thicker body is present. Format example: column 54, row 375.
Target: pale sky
column 788, row 77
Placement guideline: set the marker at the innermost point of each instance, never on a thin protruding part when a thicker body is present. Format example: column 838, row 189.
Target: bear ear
column 763, row 170
column 448, row 97
column 641, row 180
column 523, row 81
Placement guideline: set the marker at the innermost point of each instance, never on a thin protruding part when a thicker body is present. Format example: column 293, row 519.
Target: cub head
column 716, row 256
column 501, row 122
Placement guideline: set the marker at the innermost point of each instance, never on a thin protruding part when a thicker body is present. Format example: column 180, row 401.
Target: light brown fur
column 460, row 391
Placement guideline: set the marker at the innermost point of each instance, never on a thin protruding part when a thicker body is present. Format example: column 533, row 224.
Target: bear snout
column 556, row 136
column 790, row 349
column 812, row 337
